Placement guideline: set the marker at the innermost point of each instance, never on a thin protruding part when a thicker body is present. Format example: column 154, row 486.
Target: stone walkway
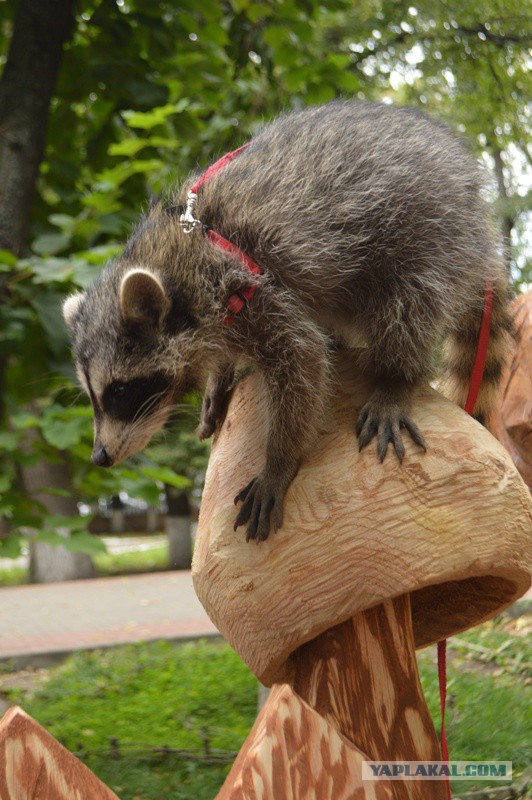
column 51, row 619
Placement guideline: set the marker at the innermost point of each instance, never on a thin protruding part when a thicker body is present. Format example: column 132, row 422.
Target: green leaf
column 52, row 269
column 150, row 119
column 85, row 542
column 11, row 546
column 48, row 307
column 5, row 482
column 64, row 433
column 48, row 244
column 144, row 488
column 9, row 441
column 24, row 420
column 7, row 258
column 167, row 475
column 55, row 521
column 128, row 147
column 64, row 221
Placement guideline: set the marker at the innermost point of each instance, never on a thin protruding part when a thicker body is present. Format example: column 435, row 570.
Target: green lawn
column 155, row 558
column 114, row 708
column 151, row 560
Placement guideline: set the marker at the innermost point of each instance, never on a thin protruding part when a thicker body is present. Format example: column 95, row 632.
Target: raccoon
column 367, row 221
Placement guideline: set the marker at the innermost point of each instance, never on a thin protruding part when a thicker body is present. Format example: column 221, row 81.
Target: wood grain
column 292, row 753
column 355, row 696
column 362, row 677
column 34, row 766
column 451, row 526
column 512, row 422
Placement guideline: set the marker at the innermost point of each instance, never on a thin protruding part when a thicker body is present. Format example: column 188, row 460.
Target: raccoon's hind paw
column 385, row 422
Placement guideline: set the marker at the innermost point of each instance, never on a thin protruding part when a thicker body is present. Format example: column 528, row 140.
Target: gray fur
column 369, row 223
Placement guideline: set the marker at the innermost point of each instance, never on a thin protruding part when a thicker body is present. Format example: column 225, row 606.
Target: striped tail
column 462, row 348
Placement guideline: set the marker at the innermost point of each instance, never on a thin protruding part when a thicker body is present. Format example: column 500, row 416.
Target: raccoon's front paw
column 262, row 502
column 385, row 420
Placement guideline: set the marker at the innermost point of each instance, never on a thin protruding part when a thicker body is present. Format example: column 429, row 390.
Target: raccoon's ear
column 143, row 300
column 70, row 308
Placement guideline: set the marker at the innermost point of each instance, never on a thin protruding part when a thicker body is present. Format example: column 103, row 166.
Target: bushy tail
column 461, row 349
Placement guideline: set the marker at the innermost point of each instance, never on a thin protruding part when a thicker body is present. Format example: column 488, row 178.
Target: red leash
column 472, row 396
column 216, row 167
column 236, row 303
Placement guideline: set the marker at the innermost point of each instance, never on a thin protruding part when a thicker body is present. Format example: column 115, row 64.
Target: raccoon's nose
column 101, row 457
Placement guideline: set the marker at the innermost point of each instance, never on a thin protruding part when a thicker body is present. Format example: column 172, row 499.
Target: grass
column 156, row 558
column 106, row 564
column 14, row 575
column 112, row 708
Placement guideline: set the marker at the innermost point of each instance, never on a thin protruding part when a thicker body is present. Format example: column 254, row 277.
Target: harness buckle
column 187, row 220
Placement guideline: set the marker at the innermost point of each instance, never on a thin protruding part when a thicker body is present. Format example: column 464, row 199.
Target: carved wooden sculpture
column 512, row 422
column 34, row 766
column 372, row 561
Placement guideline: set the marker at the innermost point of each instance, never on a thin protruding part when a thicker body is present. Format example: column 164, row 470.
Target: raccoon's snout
column 101, row 457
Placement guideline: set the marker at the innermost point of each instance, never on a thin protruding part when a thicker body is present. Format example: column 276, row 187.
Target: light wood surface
column 354, row 696
column 512, row 422
column 451, row 526
column 292, row 753
column 34, row 766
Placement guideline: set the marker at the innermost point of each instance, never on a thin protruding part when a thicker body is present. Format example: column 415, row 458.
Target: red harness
column 236, row 303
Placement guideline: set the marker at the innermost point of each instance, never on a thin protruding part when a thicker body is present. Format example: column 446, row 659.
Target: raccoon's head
column 132, row 342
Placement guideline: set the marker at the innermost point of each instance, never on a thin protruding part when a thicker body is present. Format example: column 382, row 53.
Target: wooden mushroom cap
column 451, row 526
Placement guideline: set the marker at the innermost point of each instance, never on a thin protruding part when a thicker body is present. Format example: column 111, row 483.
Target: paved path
column 61, row 617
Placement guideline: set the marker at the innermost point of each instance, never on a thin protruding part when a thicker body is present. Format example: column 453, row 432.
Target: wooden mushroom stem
column 362, row 677
column 354, row 695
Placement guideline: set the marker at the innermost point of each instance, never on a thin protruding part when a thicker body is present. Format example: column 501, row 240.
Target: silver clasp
column 187, row 220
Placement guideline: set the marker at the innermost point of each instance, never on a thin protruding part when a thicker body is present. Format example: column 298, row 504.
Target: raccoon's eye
column 125, row 401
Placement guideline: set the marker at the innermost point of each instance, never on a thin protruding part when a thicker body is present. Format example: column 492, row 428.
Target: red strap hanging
column 472, row 396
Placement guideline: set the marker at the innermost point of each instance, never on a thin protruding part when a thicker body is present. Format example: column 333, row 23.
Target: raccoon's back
column 352, row 186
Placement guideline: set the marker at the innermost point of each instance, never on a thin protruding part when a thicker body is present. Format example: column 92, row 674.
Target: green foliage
column 149, row 90
column 486, row 717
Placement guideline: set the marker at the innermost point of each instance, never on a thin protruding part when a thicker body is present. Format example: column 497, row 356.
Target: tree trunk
column 49, row 563
column 28, row 80
column 178, row 529
column 117, row 515
column 26, row 86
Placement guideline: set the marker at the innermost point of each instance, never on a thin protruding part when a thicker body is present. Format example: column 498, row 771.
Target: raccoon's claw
column 262, row 504
column 386, row 424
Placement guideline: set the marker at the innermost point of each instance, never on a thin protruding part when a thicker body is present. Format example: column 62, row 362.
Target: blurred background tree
column 104, row 103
